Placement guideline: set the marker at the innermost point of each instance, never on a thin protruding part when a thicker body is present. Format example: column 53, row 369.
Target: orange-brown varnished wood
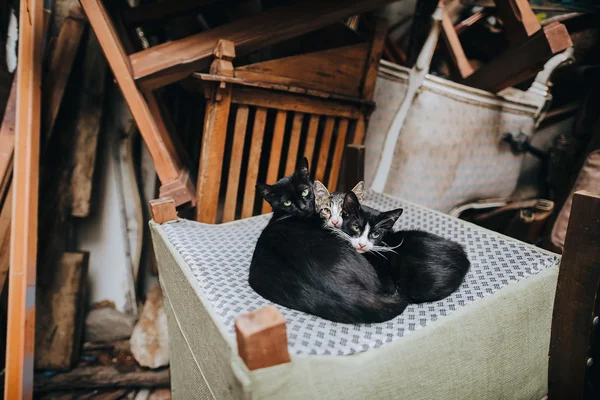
column 311, row 137
column 163, row 210
column 235, row 166
column 337, row 155
column 324, row 148
column 258, row 132
column 275, row 155
column 290, row 165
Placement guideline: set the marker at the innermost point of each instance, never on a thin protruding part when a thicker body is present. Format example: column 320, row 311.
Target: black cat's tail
column 370, row 308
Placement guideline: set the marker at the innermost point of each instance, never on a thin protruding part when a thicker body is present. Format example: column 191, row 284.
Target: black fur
column 299, row 264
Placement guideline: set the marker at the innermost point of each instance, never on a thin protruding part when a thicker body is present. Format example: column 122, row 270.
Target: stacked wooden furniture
column 140, row 73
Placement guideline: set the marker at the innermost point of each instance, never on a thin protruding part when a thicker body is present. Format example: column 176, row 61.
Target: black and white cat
column 329, row 205
column 301, row 265
column 426, row 267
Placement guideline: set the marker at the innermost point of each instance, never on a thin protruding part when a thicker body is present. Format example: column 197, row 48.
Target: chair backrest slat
column 237, row 152
column 258, row 132
column 311, row 137
column 324, row 148
column 294, row 143
column 337, row 155
column 275, row 154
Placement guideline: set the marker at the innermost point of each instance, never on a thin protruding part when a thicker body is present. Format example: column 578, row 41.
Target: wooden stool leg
column 574, row 313
column 173, row 175
column 262, row 338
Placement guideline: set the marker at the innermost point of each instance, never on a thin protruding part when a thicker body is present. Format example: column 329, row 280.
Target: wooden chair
column 139, row 73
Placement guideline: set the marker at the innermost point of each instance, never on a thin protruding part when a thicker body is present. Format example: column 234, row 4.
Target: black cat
column 301, row 265
column 426, row 267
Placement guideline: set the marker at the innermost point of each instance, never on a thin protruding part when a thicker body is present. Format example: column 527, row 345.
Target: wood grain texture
column 369, row 74
column 460, row 66
column 163, row 210
column 169, row 62
column 61, row 64
column 22, row 288
column 169, row 167
column 275, row 155
column 578, row 284
column 87, row 127
column 7, row 140
column 311, row 138
column 290, row 165
column 324, row 148
column 294, row 102
column 338, row 70
column 211, row 156
column 60, row 316
column 261, row 338
column 5, row 217
column 258, row 131
column 521, row 62
column 336, row 162
column 235, row 165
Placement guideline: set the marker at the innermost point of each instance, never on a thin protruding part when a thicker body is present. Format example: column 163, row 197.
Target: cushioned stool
column 490, row 339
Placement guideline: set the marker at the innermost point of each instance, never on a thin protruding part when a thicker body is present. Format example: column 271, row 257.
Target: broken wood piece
column 262, row 338
column 61, row 64
column 24, row 229
column 59, row 320
column 163, row 210
column 225, row 50
column 460, row 67
column 105, row 324
column 520, row 22
column 169, row 62
column 150, row 340
column 87, row 128
column 521, row 62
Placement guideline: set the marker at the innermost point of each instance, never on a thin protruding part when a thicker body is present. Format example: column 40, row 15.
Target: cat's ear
column 389, row 218
column 302, row 168
column 320, row 191
column 351, row 204
column 359, row 190
column 265, row 191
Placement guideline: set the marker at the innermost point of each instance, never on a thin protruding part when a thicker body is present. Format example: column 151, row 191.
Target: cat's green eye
column 355, row 228
column 305, row 193
column 374, row 235
column 287, row 203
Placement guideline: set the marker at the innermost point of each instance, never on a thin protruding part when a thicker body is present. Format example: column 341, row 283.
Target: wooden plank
column 372, row 65
column 359, row 131
column 521, row 62
column 519, row 20
column 458, row 62
column 163, row 210
column 235, row 165
column 87, row 127
column 22, row 290
column 324, row 148
column 211, row 156
column 336, row 163
column 61, row 64
column 258, row 132
column 262, row 338
column 60, row 314
column 311, row 137
column 338, row 70
column 170, row 62
column 295, row 134
column 294, row 102
column 7, row 140
column 159, row 12
column 5, row 217
column 578, row 283
column 172, row 173
column 275, row 156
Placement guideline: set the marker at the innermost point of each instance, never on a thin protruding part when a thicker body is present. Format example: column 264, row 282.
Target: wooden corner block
column 225, row 50
column 163, row 210
column 262, row 338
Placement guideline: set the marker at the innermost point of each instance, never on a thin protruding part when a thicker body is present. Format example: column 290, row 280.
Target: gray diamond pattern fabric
column 219, row 257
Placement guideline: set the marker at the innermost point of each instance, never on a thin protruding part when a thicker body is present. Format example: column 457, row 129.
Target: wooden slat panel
column 290, row 166
column 324, row 148
column 294, row 102
column 311, row 138
column 275, row 157
column 237, row 152
column 359, row 131
column 337, row 155
column 258, row 133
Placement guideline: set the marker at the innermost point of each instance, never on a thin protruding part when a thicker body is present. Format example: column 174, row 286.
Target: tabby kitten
column 329, row 205
column 301, row 265
column 426, row 267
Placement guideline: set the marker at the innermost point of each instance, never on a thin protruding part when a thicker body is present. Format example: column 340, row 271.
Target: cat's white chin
column 361, row 251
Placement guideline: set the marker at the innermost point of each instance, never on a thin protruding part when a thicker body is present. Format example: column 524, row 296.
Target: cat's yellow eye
column 374, row 235
column 287, row 203
column 305, row 193
column 355, row 228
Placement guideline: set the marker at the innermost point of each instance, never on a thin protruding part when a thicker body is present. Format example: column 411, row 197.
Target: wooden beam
column 21, row 291
column 7, row 141
column 521, row 62
column 520, row 22
column 163, row 210
column 578, row 284
column 172, row 61
column 372, row 65
column 460, row 66
column 262, row 338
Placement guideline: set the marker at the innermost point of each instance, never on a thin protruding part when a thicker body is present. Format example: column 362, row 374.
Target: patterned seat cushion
column 219, row 257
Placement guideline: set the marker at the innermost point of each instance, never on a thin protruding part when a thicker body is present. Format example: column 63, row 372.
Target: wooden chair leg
column 574, row 304
column 262, row 338
column 175, row 179
column 163, row 210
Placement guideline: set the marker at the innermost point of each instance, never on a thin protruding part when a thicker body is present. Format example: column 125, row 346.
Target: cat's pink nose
column 335, row 221
column 362, row 246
